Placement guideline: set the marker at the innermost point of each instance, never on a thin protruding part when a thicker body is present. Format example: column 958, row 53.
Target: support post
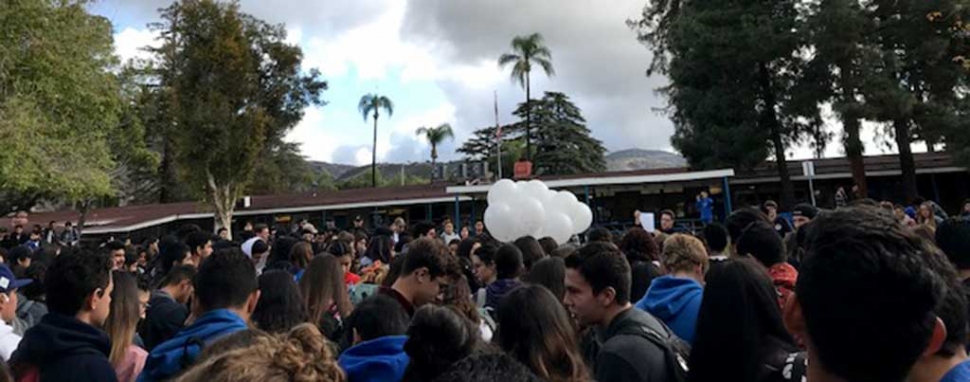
column 457, row 212
column 727, row 198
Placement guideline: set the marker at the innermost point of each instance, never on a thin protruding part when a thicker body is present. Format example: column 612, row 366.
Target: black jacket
column 616, row 357
column 163, row 319
column 61, row 348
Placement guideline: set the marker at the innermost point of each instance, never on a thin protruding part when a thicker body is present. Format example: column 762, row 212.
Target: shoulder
column 635, row 349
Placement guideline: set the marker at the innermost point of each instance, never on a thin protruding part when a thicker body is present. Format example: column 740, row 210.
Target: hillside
column 624, row 160
column 637, row 159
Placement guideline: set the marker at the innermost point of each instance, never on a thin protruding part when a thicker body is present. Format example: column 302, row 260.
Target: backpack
column 676, row 351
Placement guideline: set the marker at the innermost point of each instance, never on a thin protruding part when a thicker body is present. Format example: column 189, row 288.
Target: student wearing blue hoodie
column 378, row 326
column 226, row 292
column 676, row 297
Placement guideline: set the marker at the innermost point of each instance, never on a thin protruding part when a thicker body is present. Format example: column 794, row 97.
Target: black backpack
column 676, row 350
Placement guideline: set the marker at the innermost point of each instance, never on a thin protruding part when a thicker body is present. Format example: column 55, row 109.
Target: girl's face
column 924, row 211
column 345, row 263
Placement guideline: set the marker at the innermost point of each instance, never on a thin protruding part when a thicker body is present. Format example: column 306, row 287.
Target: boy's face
column 8, row 309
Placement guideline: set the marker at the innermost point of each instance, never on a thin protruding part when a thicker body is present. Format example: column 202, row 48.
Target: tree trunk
column 84, row 208
column 224, row 202
column 770, row 120
column 906, row 162
column 854, row 149
column 373, row 160
column 168, row 182
column 434, row 160
column 528, row 118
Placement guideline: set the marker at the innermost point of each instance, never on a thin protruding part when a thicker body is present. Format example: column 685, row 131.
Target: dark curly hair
column 639, row 245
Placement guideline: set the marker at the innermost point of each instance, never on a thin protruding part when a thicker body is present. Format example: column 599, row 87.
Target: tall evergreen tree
column 482, row 146
column 840, row 32
column 564, row 144
column 914, row 90
column 732, row 67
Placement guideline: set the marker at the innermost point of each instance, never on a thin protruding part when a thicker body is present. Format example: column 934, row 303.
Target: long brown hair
column 534, row 328
column 322, row 286
column 124, row 316
column 300, row 254
column 458, row 295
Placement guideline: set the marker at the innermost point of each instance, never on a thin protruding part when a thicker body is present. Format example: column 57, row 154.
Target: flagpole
column 498, row 136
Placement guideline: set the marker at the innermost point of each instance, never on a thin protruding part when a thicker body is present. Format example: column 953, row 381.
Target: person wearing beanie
column 803, row 214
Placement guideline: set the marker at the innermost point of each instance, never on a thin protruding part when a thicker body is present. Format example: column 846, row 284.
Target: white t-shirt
column 449, row 237
column 8, row 340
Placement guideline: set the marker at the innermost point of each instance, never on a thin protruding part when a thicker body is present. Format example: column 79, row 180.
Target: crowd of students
column 852, row 294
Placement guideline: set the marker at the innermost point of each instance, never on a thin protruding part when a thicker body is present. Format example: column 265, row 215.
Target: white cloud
column 317, row 143
column 130, row 43
column 372, row 49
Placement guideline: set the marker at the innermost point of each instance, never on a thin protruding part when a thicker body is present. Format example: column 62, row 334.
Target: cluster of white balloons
column 532, row 209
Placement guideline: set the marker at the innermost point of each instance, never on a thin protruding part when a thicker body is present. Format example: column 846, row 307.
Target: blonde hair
column 302, row 355
column 683, row 253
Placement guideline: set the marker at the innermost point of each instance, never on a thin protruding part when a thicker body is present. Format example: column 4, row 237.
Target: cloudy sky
column 436, row 59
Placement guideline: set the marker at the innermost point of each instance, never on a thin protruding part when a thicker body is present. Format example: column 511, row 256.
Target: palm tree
column 527, row 50
column 370, row 104
column 435, row 136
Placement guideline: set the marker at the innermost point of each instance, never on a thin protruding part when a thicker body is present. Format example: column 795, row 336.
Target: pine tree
column 563, row 143
column 732, row 67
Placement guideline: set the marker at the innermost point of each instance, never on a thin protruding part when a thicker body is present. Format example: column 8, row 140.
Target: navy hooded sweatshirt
column 379, row 360
column 497, row 290
column 675, row 301
column 62, row 348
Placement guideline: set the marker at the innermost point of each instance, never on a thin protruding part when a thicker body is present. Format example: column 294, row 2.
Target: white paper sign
column 647, row 221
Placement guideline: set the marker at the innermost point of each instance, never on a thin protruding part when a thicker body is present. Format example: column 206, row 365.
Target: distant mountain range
column 637, row 159
column 624, row 160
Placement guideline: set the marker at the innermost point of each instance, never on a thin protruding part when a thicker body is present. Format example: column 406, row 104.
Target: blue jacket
column 169, row 358
column 706, row 208
column 61, row 348
column 378, row 360
column 676, row 301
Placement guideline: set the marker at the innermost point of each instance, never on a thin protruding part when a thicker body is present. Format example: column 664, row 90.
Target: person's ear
column 792, row 314
column 421, row 274
column 93, row 298
column 356, row 337
column 606, row 296
column 251, row 302
column 936, row 339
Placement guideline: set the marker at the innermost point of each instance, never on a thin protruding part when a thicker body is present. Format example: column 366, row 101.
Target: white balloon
column 581, row 216
column 503, row 191
column 559, row 227
column 534, row 188
column 497, row 217
column 563, row 202
column 530, row 215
